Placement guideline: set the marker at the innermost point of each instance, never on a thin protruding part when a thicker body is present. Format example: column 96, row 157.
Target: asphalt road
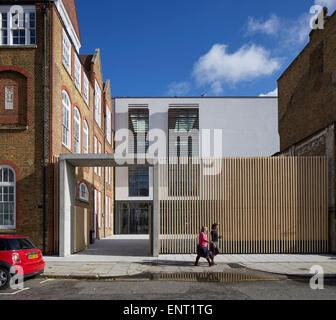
column 270, row 289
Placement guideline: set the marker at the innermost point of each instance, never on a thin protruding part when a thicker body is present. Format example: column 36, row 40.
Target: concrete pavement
column 128, row 256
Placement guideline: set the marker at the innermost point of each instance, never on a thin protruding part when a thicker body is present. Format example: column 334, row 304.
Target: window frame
column 138, row 115
column 9, row 185
column 77, row 122
column 29, row 30
column 9, row 105
column 98, row 104
column 95, row 151
column 138, row 195
column 65, row 39
column 99, row 152
column 85, row 141
column 86, row 88
column 99, row 209
column 80, row 192
column 108, row 124
column 67, row 144
column 78, row 73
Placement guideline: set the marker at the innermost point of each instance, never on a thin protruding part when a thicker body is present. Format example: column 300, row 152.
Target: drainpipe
column 45, row 128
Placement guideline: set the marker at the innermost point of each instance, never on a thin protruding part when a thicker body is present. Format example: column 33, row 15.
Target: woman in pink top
column 202, row 248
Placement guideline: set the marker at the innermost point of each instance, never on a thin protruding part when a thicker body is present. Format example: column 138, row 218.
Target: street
column 271, row 288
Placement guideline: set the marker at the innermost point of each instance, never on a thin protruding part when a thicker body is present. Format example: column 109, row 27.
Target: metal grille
column 263, row 205
column 183, row 125
column 138, row 124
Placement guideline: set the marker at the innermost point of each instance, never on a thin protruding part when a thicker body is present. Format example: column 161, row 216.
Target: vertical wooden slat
column 263, row 205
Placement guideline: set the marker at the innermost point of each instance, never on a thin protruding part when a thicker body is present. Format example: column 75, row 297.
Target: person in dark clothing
column 214, row 248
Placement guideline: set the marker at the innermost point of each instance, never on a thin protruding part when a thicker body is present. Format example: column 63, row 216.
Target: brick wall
column 307, row 95
column 21, row 146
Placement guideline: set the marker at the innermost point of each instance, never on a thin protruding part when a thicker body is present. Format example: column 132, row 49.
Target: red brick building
column 52, row 101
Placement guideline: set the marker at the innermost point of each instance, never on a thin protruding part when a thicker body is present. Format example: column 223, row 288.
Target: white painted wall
column 250, row 126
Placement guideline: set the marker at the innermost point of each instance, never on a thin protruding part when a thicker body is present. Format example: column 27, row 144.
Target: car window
column 20, row 244
column 3, row 245
column 14, row 245
column 26, row 244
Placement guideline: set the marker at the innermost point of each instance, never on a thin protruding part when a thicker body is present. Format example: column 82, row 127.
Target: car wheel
column 4, row 278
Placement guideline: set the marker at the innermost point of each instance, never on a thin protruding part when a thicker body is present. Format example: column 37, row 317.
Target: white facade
column 249, row 127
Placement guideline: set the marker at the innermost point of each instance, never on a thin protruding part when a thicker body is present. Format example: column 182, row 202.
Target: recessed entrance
column 119, row 246
column 132, row 218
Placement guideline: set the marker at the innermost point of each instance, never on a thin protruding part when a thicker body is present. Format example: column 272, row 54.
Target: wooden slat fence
column 263, row 205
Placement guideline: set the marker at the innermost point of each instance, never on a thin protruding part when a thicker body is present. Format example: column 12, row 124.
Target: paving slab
column 119, row 256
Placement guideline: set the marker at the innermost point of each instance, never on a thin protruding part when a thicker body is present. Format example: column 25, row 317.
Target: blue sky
column 191, row 47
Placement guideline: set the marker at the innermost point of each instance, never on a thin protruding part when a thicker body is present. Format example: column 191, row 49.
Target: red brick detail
column 16, row 116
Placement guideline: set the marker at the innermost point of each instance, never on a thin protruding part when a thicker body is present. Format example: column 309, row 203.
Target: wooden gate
column 263, row 205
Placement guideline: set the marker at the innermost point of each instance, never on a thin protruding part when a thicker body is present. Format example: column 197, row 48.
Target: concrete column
column 155, row 229
column 67, row 202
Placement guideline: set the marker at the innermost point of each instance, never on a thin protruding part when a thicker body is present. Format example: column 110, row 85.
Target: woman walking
column 202, row 248
column 214, row 249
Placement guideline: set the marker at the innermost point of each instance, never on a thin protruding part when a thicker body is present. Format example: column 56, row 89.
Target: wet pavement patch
column 219, row 277
column 235, row 266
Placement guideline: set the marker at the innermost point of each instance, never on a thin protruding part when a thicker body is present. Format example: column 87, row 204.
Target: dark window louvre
column 138, row 124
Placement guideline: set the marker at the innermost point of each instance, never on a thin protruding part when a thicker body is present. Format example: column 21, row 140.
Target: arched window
column 66, row 114
column 7, row 198
column 77, row 131
column 83, row 192
column 85, row 137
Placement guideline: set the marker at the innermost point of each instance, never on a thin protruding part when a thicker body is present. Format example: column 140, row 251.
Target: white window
column 78, row 74
column 109, row 216
column 7, row 198
column 66, row 120
column 17, row 27
column 66, row 52
column 85, row 138
column 108, row 125
column 98, row 104
column 95, row 211
column 83, row 192
column 99, row 208
column 77, row 131
column 108, row 212
column 108, row 175
column 99, row 152
column 95, row 151
column 9, row 98
column 86, row 88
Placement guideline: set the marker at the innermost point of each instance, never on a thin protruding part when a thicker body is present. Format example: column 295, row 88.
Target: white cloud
column 290, row 32
column 216, row 88
column 296, row 32
column 178, row 89
column 219, row 66
column 330, row 4
column 270, row 26
column 273, row 93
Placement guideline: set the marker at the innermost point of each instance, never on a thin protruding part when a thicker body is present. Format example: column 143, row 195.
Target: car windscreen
column 17, row 244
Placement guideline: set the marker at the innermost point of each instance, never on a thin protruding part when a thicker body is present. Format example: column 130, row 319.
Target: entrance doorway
column 132, row 218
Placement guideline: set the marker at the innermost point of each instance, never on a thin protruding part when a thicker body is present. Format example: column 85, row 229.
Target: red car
column 17, row 251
